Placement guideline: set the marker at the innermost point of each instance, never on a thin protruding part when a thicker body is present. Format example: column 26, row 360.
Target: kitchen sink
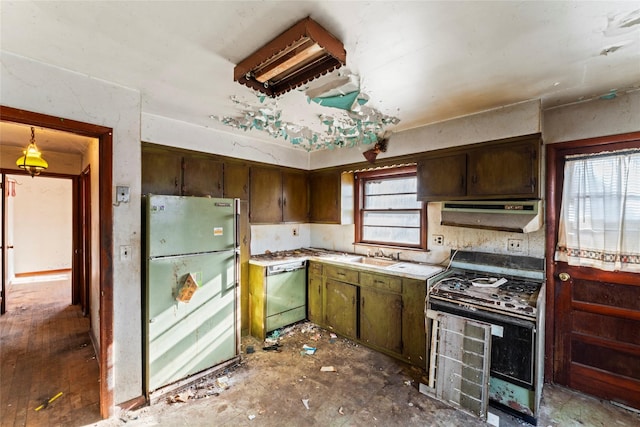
column 380, row 262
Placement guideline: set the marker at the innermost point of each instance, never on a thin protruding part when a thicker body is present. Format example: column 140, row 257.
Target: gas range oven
column 505, row 294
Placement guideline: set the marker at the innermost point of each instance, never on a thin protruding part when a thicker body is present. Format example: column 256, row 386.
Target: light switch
column 122, row 194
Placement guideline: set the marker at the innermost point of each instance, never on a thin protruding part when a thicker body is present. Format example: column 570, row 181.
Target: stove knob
column 564, row 277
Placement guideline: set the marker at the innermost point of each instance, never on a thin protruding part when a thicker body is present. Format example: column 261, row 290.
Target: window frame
column 398, row 172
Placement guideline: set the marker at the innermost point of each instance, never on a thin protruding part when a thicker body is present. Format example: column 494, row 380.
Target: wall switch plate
column 125, row 253
column 515, row 245
column 438, row 239
column 122, row 194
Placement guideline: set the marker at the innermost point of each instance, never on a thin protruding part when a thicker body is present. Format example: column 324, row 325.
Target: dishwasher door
column 286, row 298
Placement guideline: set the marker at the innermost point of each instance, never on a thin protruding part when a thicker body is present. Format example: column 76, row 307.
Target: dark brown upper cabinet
column 295, row 198
column 177, row 173
column 444, row 177
column 161, row 172
column 277, row 196
column 507, row 169
column 201, row 176
column 236, row 181
column 324, row 197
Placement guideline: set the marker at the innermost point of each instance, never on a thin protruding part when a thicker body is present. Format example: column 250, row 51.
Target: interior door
column 593, row 316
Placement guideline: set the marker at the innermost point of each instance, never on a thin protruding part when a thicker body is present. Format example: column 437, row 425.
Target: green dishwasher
column 278, row 296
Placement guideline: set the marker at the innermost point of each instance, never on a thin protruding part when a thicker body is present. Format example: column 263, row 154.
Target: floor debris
column 47, row 402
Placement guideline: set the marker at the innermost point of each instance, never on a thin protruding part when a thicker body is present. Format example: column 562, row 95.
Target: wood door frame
column 555, row 154
column 84, row 240
column 105, row 173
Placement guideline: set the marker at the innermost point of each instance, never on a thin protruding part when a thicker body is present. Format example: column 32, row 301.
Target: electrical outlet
column 515, row 245
column 438, row 239
column 295, row 231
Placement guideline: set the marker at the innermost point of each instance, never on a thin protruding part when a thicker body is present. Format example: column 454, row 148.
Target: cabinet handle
column 353, row 300
column 284, row 202
column 379, row 281
column 474, row 179
column 279, row 202
column 362, row 302
column 340, row 273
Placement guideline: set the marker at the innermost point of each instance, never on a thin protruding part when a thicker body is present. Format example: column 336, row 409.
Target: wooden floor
column 45, row 350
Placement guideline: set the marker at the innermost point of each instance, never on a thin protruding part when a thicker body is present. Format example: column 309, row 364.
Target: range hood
column 513, row 216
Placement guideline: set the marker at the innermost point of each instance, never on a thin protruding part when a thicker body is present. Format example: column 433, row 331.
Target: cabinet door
column 161, row 172
column 442, row 178
column 324, row 197
column 294, row 197
column 341, row 308
column 381, row 319
column 314, row 304
column 504, row 170
column 202, row 176
column 236, row 181
column 265, row 196
column 414, row 334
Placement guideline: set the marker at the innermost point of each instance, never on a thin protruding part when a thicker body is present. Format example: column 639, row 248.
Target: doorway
column 38, row 232
column 593, row 316
column 102, row 310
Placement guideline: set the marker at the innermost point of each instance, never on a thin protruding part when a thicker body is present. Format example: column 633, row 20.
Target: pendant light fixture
column 32, row 160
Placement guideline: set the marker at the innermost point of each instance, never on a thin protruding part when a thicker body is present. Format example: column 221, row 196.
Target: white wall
column 600, row 117
column 34, row 86
column 42, row 224
column 174, row 133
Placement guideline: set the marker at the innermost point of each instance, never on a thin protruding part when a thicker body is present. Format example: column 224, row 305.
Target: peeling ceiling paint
column 348, row 122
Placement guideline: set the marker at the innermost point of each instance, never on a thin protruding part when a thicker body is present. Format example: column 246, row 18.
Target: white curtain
column 600, row 213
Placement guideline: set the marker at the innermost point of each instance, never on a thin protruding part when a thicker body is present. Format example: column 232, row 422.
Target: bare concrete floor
column 288, row 388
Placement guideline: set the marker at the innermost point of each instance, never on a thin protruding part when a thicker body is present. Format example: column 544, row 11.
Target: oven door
column 512, row 342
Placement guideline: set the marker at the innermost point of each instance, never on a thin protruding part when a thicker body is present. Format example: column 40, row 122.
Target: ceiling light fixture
column 380, row 147
column 32, row 160
column 300, row 54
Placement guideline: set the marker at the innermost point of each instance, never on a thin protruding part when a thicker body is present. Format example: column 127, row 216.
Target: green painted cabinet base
column 382, row 311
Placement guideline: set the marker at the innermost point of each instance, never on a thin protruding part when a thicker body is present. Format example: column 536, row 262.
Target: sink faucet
column 380, row 253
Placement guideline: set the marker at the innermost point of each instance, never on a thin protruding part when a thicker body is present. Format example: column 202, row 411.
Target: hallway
column 45, row 350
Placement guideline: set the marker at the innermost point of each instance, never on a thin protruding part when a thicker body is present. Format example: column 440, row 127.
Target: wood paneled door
column 593, row 316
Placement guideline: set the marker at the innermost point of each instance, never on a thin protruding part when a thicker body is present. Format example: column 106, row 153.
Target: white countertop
column 398, row 268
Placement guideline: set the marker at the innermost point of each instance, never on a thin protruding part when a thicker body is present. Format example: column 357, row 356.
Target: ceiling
column 421, row 62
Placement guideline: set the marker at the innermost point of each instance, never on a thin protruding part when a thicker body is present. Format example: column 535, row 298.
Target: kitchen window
column 387, row 210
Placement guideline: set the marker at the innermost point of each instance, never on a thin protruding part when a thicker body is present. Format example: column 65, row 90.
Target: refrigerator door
column 184, row 338
column 178, row 225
